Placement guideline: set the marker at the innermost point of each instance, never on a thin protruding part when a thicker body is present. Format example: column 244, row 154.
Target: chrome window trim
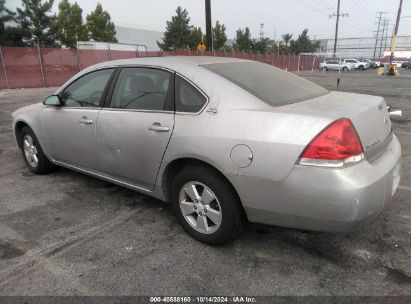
column 77, row 108
column 136, row 110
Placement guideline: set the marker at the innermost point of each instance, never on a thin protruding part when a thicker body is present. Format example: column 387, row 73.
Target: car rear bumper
column 324, row 199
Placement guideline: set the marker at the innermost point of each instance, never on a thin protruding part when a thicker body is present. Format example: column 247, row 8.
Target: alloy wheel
column 200, row 207
column 30, row 151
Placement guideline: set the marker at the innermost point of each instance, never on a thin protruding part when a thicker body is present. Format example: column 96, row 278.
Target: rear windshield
column 272, row 85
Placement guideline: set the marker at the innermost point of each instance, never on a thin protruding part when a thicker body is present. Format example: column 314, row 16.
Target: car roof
column 169, row 61
column 188, row 66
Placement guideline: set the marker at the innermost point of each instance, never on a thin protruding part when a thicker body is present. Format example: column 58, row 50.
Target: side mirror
column 53, row 100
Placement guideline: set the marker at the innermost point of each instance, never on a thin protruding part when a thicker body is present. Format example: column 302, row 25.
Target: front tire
column 345, row 69
column 361, row 67
column 33, row 154
column 206, row 205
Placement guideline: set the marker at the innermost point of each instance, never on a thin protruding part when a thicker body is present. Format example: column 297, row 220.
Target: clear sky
column 278, row 16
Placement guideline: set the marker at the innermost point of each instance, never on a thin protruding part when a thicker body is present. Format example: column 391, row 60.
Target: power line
column 311, row 7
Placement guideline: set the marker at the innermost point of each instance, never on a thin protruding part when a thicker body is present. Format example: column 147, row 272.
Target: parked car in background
column 398, row 63
column 358, row 64
column 335, row 65
column 405, row 65
column 373, row 64
column 224, row 140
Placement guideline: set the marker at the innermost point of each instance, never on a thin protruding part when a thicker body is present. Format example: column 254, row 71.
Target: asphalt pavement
column 70, row 234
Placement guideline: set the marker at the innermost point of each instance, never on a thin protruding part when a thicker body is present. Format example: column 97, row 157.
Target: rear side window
column 272, row 85
column 188, row 98
column 143, row 89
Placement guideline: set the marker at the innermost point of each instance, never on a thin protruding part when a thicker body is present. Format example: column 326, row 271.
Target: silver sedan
column 224, row 140
column 335, row 65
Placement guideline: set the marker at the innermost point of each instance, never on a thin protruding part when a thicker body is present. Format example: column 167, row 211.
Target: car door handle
column 158, row 127
column 85, row 121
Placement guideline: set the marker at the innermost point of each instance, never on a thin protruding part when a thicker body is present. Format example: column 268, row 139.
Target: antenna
column 261, row 30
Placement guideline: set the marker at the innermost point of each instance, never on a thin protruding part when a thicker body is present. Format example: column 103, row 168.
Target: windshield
column 272, row 85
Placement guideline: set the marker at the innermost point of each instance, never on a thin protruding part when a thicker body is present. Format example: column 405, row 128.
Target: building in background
column 364, row 47
column 134, row 34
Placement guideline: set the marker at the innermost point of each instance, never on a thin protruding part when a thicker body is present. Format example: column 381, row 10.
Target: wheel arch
column 19, row 125
column 178, row 164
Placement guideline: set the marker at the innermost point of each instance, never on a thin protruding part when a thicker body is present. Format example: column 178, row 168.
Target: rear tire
column 345, row 69
column 361, row 67
column 33, row 154
column 206, row 205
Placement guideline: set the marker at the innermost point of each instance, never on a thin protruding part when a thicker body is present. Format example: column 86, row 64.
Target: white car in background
column 358, row 64
column 398, row 63
column 335, row 65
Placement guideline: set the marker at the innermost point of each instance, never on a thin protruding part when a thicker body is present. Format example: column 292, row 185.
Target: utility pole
column 378, row 33
column 209, row 31
column 394, row 37
column 336, row 26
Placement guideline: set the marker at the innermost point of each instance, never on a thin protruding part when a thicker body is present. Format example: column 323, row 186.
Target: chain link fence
column 31, row 67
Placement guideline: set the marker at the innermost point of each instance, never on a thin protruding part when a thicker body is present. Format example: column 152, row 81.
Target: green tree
column 287, row 38
column 219, row 36
column 178, row 32
column 303, row 44
column 196, row 37
column 243, row 40
column 284, row 47
column 35, row 19
column 68, row 24
column 9, row 35
column 99, row 25
column 5, row 16
column 263, row 45
column 13, row 35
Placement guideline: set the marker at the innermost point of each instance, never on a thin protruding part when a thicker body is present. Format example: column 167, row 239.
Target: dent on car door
column 69, row 130
column 135, row 125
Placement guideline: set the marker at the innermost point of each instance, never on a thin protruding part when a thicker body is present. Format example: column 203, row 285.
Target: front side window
column 143, row 89
column 87, row 90
column 188, row 98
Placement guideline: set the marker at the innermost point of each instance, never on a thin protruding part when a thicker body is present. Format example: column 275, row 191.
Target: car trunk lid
column 369, row 115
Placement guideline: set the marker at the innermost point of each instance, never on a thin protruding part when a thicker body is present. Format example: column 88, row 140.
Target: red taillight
column 334, row 146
